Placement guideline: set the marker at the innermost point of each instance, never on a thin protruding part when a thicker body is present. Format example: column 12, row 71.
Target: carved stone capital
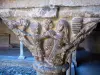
column 51, row 44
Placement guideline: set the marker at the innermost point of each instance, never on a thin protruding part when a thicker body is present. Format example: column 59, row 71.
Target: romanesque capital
column 51, row 44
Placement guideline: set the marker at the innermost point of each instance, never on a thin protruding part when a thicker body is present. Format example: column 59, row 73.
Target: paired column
column 21, row 56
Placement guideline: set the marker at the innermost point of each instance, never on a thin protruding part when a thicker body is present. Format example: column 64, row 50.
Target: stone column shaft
column 21, row 51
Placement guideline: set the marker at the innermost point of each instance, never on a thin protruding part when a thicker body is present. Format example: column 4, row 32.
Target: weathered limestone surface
column 23, row 3
column 29, row 13
column 47, row 12
column 74, row 2
column 89, row 11
column 43, row 3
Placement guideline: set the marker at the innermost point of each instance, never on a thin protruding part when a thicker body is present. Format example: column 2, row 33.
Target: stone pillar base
column 62, row 73
column 21, row 57
column 43, row 68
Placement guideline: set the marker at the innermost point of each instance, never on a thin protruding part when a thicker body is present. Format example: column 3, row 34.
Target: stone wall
column 4, row 30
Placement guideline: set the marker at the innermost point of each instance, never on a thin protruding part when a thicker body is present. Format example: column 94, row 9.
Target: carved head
column 35, row 28
column 62, row 24
column 23, row 23
column 64, row 27
column 47, row 24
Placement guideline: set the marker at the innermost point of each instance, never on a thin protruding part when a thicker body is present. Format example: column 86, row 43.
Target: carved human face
column 48, row 24
column 60, row 26
column 46, row 27
column 22, row 24
column 35, row 27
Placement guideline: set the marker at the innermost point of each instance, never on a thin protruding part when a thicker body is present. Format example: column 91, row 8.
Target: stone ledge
column 89, row 11
column 74, row 2
column 29, row 13
column 23, row 3
column 43, row 3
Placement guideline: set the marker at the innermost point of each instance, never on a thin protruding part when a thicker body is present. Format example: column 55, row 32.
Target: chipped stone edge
column 45, row 12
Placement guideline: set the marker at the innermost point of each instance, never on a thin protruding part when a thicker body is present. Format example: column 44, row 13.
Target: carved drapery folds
column 52, row 43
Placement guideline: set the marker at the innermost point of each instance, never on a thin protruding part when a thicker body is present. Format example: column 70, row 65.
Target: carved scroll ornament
column 49, row 45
